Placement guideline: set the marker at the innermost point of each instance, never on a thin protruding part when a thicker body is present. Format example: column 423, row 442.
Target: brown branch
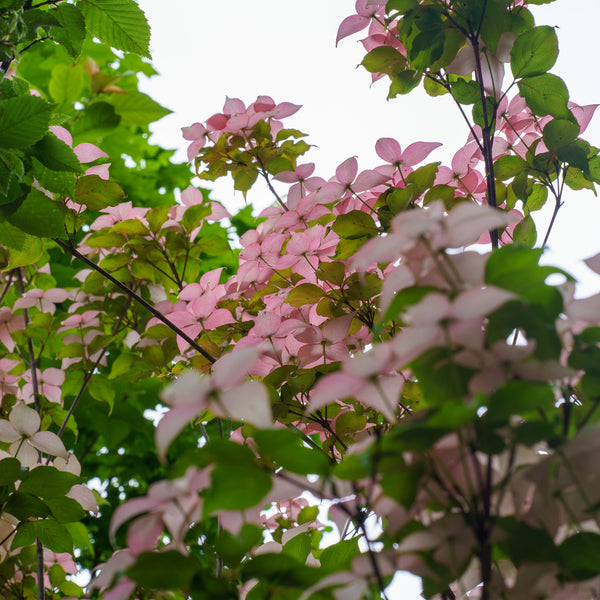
column 137, row 298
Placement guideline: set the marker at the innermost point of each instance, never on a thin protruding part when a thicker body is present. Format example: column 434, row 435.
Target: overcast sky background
column 206, row 50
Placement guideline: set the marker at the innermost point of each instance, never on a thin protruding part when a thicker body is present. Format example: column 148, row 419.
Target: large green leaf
column 137, row 108
column 56, row 155
column 66, row 83
column 546, row 95
column 119, row 23
column 39, row 216
column 72, row 32
column 164, row 570
column 23, row 121
column 534, row 52
column 48, row 482
column 97, row 193
column 54, row 536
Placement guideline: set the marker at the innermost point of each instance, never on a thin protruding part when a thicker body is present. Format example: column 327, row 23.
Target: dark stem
column 90, row 373
column 487, row 138
column 39, row 553
column 137, row 298
column 557, row 206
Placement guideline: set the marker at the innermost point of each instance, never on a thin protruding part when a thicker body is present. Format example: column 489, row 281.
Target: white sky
column 205, row 50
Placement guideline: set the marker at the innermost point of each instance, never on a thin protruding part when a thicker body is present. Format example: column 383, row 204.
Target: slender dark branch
column 90, row 373
column 481, row 18
column 9, row 535
column 32, row 361
column 446, row 84
column 557, row 206
column 137, row 298
column 277, row 197
column 487, row 138
column 41, row 592
column 5, row 290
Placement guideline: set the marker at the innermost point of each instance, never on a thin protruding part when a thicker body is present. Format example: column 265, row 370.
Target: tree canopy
column 374, row 375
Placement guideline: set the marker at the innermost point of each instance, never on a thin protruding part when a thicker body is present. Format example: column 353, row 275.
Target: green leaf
column 97, row 193
column 56, row 155
column 578, row 555
column 404, row 83
column 401, row 485
column 13, row 238
column 546, row 95
column 519, row 398
column 96, row 120
column 534, row 52
column 39, row 216
column 137, row 108
column 13, row 162
column 72, row 33
column 118, row 23
column 286, row 448
column 575, row 154
column 400, row 5
column 48, row 482
column 525, row 232
column 538, row 197
column 384, row 59
column 525, row 544
column 466, row 92
column 305, row 293
column 226, row 482
column 66, row 83
column 243, row 180
column 32, row 252
column 59, row 182
column 25, row 535
column 509, row 166
column 65, row 510
column 23, row 121
column 163, row 570
column 354, row 225
column 559, row 133
column 54, row 536
column 338, row 557
column 9, row 471
column 24, row 506
column 102, row 389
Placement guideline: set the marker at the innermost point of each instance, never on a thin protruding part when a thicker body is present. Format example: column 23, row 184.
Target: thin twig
column 41, row 592
column 137, row 298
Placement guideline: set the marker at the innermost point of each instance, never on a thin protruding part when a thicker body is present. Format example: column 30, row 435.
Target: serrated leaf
column 23, row 121
column 97, row 193
column 72, row 33
column 59, row 182
column 56, row 155
column 39, row 216
column 118, row 23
